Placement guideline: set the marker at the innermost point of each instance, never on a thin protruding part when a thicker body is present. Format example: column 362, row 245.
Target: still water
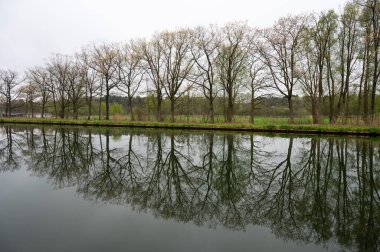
column 89, row 189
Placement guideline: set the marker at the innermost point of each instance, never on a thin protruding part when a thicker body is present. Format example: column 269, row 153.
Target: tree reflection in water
column 310, row 190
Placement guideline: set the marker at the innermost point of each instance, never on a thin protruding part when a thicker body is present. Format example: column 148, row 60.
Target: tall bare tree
column 365, row 59
column 91, row 83
column 58, row 68
column 371, row 18
column 331, row 63
column 232, row 59
column 348, row 56
column 258, row 79
column 205, row 51
column 315, row 48
column 178, row 63
column 131, row 72
column 152, row 53
column 281, row 53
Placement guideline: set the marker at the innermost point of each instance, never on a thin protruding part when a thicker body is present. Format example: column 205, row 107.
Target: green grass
column 259, row 120
column 260, row 126
column 244, row 119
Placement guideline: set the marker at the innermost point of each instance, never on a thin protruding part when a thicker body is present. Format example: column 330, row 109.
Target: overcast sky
column 30, row 30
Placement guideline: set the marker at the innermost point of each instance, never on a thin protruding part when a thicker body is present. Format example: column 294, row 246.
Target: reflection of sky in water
column 243, row 203
column 33, row 217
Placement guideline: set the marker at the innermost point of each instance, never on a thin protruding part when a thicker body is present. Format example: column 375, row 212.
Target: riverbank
column 270, row 128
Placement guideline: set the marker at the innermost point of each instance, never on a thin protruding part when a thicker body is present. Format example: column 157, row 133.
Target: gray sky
column 30, row 30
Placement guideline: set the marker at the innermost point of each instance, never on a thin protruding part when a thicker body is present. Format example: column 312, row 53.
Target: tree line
column 329, row 59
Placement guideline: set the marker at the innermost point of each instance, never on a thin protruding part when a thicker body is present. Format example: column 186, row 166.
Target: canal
column 120, row 189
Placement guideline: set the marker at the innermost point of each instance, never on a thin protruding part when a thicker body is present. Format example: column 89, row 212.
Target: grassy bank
column 276, row 128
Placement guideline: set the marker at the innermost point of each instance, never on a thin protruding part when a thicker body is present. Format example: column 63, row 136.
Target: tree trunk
column 43, row 106
column 376, row 44
column 211, row 110
column 55, row 106
column 89, row 108
column 373, row 93
column 62, row 112
column 172, row 103
column 100, row 107
column 365, row 83
column 31, row 108
column 331, row 84
column 360, row 97
column 230, row 108
column 230, row 113
column 107, row 103
column 346, row 112
column 75, row 110
column 26, row 108
column 365, row 90
column 159, row 104
column 291, row 112
column 252, row 106
column 130, row 108
column 10, row 108
column 224, row 105
column 314, row 110
column 320, row 96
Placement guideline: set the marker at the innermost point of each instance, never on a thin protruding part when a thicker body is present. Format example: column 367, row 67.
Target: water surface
column 89, row 189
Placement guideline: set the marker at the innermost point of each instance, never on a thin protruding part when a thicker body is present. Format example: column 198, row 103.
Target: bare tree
column 91, row 82
column 348, row 55
column 331, row 64
column 310, row 80
column 366, row 59
column 152, row 53
column 205, row 51
column 39, row 77
column 30, row 93
column 232, row 61
column 372, row 19
column 178, row 63
column 131, row 72
column 315, row 47
column 77, row 78
column 103, row 59
column 258, row 78
column 9, row 80
column 58, row 68
column 281, row 52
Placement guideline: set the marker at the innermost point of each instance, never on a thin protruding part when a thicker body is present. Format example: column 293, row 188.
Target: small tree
column 30, row 94
column 38, row 76
column 9, row 80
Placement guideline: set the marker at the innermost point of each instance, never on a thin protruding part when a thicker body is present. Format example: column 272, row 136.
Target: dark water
column 72, row 189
